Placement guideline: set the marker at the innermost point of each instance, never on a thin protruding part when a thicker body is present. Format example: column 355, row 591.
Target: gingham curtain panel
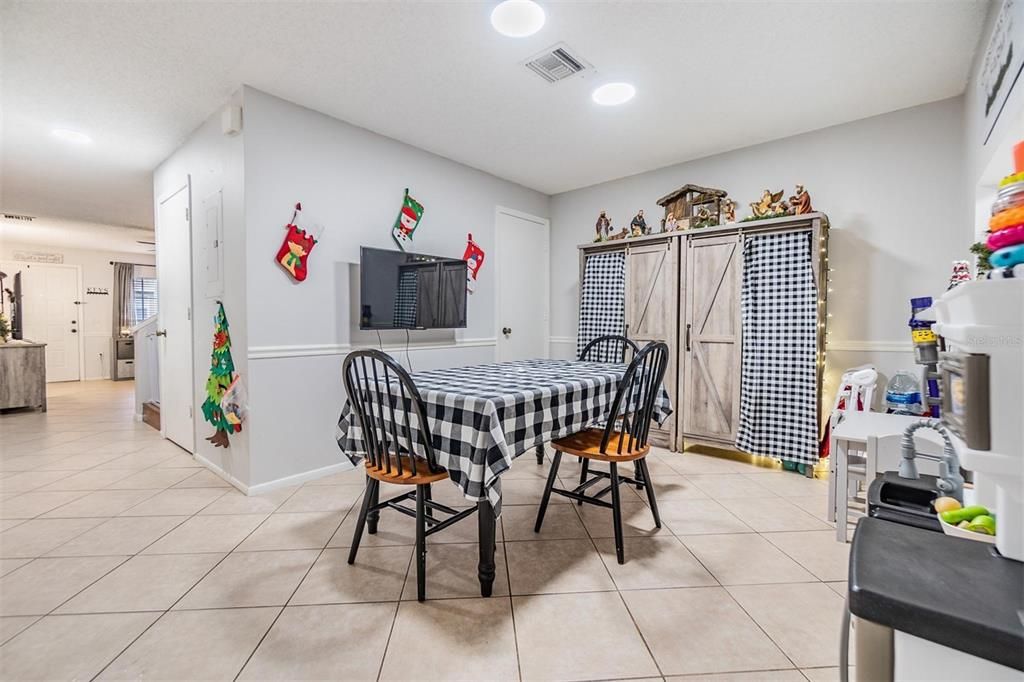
column 778, row 390
column 602, row 301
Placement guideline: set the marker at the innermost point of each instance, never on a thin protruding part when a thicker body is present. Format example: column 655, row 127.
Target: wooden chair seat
column 422, row 477
column 587, row 444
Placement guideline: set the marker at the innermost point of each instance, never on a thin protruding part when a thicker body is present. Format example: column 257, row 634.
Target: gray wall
column 892, row 186
column 213, row 161
column 351, row 181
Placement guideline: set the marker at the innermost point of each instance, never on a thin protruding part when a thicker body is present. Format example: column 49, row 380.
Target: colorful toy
column 926, row 350
column 1008, row 237
column 1008, row 257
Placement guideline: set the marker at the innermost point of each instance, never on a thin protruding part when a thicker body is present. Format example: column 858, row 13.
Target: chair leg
column 638, row 475
column 552, row 477
column 620, row 553
column 371, row 483
column 540, row 455
column 373, row 516
column 642, row 465
column 584, row 470
column 421, row 541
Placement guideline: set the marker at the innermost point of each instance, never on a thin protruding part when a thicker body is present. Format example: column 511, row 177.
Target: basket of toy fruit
column 973, row 522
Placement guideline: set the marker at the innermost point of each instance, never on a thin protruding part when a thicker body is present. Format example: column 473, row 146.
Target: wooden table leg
column 485, row 570
column 540, row 454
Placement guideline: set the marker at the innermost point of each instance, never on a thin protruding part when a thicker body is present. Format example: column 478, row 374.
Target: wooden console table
column 22, row 375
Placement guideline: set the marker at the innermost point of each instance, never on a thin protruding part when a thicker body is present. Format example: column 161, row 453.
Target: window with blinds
column 145, row 297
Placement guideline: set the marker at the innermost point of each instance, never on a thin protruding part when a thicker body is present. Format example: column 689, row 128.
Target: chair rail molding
column 307, row 350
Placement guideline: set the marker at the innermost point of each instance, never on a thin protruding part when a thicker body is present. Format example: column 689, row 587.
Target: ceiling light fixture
column 71, row 136
column 517, row 18
column 612, row 94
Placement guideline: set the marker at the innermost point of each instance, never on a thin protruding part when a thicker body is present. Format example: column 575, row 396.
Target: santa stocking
column 407, row 221
column 474, row 257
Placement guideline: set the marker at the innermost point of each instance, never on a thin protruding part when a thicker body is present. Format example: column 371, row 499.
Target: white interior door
column 174, row 282
column 522, row 272
column 52, row 315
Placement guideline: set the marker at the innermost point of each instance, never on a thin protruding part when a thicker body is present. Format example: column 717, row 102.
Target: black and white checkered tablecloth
column 483, row 416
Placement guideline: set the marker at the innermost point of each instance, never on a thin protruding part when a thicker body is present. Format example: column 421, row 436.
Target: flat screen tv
column 401, row 290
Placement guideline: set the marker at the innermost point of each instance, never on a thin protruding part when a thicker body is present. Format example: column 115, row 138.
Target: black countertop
column 954, row 592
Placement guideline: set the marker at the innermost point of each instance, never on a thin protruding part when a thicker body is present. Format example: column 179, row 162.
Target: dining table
column 481, row 417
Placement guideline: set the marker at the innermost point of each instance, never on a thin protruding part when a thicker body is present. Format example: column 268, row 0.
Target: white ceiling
column 74, row 234
column 710, row 76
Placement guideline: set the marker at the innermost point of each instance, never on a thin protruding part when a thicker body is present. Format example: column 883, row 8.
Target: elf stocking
column 474, row 257
column 296, row 247
column 407, row 221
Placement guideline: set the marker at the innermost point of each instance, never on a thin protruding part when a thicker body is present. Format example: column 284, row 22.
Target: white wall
column 95, row 325
column 892, row 186
column 213, row 161
column 351, row 181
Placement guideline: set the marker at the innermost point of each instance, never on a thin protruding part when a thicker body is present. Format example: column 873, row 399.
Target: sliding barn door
column 652, row 300
column 711, row 339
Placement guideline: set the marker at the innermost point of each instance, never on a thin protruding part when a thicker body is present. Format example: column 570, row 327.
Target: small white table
column 854, row 430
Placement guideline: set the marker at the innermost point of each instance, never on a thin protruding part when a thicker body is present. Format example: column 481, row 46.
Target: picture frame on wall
column 1001, row 63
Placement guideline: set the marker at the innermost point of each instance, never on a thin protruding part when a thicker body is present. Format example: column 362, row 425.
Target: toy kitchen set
column 932, row 600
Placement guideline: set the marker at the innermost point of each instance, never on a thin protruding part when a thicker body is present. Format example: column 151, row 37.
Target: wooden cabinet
column 684, row 288
column 22, row 375
column 652, row 304
column 709, row 374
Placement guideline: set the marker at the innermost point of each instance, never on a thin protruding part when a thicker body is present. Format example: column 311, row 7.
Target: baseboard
column 296, row 479
column 260, row 488
column 223, row 474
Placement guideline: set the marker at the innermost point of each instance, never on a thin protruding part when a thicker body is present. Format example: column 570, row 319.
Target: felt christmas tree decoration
column 407, row 221
column 222, row 373
column 296, row 247
column 474, row 257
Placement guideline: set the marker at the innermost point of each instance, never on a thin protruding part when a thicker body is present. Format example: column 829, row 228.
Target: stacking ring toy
column 1007, row 257
column 1007, row 218
column 1007, row 237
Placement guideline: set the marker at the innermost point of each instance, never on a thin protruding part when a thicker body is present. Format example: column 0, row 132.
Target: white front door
column 174, row 282
column 522, row 271
column 51, row 314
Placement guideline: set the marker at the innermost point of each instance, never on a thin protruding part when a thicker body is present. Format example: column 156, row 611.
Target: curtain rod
column 145, row 265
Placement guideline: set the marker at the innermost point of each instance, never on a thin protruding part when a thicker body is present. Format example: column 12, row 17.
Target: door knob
column 506, row 330
column 161, row 332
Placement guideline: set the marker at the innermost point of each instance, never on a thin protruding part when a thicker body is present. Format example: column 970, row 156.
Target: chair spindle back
column 384, row 398
column 635, row 397
column 609, row 348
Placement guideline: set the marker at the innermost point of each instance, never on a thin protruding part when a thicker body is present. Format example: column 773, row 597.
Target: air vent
column 556, row 63
column 17, row 216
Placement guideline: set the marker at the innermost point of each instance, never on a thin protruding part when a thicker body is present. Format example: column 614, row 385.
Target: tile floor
column 122, row 558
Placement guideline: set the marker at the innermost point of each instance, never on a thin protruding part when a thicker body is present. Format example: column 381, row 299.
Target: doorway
column 174, row 314
column 52, row 314
column 522, row 273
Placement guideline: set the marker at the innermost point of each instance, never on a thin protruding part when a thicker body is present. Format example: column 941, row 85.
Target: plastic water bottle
column 903, row 394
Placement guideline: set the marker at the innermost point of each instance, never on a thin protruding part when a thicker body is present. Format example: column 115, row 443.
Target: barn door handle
column 687, row 338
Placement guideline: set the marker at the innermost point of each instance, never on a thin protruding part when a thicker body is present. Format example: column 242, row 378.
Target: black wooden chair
column 392, row 417
column 609, row 348
column 623, row 439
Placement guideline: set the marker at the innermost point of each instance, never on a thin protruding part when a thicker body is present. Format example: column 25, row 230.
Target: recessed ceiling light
column 610, row 94
column 71, row 136
column 517, row 18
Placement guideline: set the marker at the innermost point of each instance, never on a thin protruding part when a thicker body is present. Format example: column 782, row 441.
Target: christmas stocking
column 407, row 221
column 474, row 257
column 296, row 247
